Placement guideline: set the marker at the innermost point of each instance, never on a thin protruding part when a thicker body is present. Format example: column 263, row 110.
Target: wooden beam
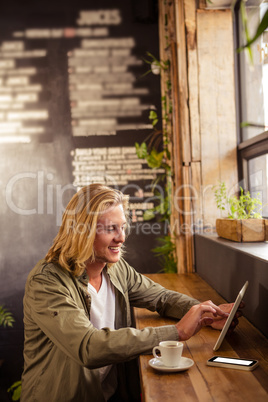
column 192, row 62
column 197, row 194
column 178, row 203
column 183, row 115
column 217, row 105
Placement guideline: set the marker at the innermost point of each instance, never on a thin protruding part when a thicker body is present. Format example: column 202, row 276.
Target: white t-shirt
column 102, row 311
column 102, row 314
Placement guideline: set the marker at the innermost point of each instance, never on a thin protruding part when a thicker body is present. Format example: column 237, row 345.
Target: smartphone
column 232, row 362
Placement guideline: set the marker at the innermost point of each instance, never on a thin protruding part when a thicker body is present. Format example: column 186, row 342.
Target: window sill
column 258, row 250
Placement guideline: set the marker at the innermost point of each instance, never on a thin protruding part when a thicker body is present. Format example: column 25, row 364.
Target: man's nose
column 120, row 235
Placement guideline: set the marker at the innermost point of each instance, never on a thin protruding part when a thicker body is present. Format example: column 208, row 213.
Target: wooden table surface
column 201, row 382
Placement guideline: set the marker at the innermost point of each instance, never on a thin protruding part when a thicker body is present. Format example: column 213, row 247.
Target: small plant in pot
column 244, row 222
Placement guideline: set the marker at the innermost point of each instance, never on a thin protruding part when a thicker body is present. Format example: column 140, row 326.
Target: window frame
column 255, row 146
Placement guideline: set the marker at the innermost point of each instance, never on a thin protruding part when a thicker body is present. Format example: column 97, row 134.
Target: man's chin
column 108, row 260
column 114, row 259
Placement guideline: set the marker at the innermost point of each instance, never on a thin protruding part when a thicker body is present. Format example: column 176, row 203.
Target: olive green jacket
column 63, row 350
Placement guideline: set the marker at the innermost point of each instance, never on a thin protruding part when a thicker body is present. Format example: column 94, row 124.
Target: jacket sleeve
column 145, row 293
column 48, row 303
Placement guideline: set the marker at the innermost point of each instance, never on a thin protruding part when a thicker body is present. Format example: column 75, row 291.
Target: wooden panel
column 183, row 114
column 168, row 16
column 190, row 25
column 196, row 193
column 182, row 143
column 188, row 219
column 217, row 108
column 208, row 109
column 162, row 44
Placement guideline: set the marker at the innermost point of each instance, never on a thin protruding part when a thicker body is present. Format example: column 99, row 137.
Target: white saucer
column 157, row 364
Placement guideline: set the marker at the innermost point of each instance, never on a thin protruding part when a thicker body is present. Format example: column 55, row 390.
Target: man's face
column 110, row 235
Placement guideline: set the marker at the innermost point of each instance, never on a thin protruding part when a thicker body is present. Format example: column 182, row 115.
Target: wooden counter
column 201, row 382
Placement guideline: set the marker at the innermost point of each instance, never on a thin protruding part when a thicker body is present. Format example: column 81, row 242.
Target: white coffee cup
column 171, row 352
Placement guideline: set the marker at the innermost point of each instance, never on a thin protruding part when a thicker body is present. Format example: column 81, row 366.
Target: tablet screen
column 231, row 316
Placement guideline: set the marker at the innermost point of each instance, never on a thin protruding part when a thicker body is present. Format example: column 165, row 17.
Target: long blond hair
column 73, row 245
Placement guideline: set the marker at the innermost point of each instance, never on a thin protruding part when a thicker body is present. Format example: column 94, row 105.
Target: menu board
column 75, row 96
column 103, row 68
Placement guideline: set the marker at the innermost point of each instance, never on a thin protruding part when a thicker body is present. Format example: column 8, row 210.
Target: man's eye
column 110, row 229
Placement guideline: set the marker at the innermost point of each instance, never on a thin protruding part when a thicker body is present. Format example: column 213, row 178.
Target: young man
column 77, row 307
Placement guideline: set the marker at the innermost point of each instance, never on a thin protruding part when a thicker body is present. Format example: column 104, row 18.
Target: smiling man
column 80, row 344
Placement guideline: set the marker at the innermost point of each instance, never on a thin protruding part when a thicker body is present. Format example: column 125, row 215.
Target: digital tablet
column 231, row 316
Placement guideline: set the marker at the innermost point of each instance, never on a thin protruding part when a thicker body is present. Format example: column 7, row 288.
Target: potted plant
column 244, row 222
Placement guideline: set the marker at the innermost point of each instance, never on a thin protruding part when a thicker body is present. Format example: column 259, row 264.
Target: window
column 252, row 101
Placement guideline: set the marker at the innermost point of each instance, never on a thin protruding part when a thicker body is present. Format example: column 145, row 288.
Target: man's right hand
column 196, row 318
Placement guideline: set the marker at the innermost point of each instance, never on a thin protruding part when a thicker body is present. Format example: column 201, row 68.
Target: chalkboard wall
column 74, row 99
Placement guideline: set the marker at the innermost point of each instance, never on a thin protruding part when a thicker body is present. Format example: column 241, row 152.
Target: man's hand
column 197, row 317
column 219, row 321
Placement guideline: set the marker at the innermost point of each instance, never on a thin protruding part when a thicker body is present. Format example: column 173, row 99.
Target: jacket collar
column 83, row 278
column 111, row 273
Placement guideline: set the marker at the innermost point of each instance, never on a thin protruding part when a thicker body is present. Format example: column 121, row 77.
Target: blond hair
column 73, row 245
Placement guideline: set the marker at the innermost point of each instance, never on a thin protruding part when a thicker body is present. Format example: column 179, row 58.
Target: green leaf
column 154, row 159
column 260, row 29
column 152, row 115
column 167, row 246
column 141, row 150
column 6, row 318
column 148, row 215
column 262, row 26
column 244, row 19
column 166, row 253
column 16, row 390
column 16, row 394
column 244, row 124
